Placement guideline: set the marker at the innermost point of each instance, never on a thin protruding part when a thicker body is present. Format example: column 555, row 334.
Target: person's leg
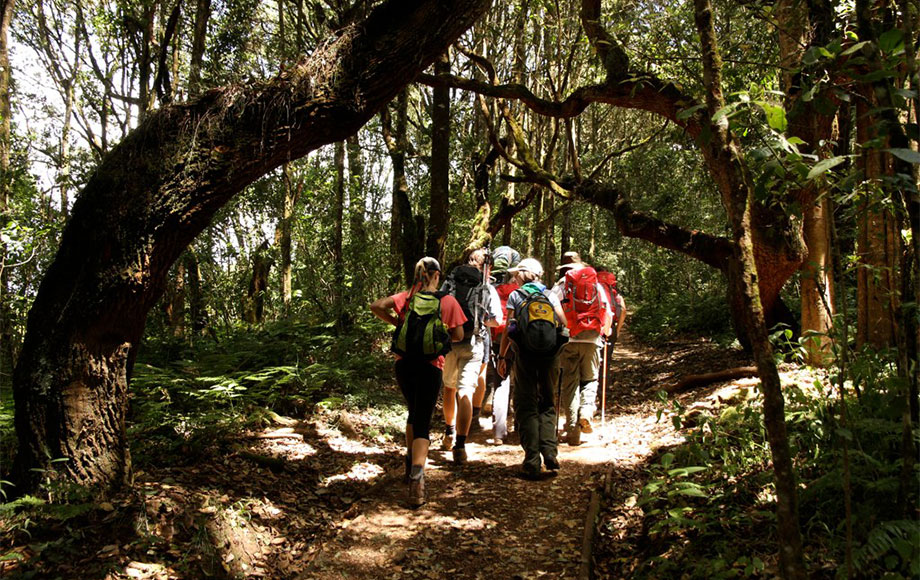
column 500, row 399
column 479, row 395
column 427, row 379
column 547, row 415
column 527, row 414
column 451, row 376
column 569, row 361
column 466, row 387
column 590, row 364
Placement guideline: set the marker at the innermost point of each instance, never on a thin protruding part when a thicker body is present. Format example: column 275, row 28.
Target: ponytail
column 424, row 272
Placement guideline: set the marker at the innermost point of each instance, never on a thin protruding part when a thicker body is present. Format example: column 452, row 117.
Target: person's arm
column 456, row 333
column 607, row 321
column 622, row 317
column 384, row 309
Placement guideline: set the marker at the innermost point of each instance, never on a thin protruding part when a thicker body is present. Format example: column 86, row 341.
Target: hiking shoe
column 497, row 441
column 459, row 455
column 551, row 463
column 530, row 473
column 585, row 425
column 475, row 427
column 448, row 442
column 417, row 491
column 573, row 437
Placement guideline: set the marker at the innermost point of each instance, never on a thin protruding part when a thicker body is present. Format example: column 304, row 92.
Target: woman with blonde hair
column 420, row 318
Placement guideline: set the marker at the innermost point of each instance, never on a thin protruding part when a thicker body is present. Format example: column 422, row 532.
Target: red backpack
column 608, row 281
column 504, row 291
column 582, row 303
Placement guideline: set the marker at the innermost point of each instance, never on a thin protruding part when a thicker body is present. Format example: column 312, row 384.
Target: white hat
column 528, row 265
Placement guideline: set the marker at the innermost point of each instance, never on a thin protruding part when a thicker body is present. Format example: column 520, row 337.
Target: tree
column 154, row 192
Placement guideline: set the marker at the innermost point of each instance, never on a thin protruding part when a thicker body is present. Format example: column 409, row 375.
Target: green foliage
column 211, row 391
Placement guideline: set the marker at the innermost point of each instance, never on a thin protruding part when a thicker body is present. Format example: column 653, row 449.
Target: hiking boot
column 573, row 436
column 475, row 427
column 551, row 463
column 585, row 425
column 417, row 491
column 459, row 455
column 530, row 473
column 448, row 442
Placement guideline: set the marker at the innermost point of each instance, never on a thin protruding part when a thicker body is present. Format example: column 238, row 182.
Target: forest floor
column 319, row 499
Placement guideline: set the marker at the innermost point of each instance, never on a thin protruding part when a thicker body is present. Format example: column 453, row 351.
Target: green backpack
column 421, row 334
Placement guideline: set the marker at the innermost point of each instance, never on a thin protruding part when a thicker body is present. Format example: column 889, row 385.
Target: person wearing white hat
column 534, row 371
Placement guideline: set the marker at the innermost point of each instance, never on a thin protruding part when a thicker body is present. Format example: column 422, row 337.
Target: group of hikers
column 492, row 325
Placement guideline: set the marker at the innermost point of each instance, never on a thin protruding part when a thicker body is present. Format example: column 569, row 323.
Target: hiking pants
column 534, row 382
column 580, row 363
column 420, row 382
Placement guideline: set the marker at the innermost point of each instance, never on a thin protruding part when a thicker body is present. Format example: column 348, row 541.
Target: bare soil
column 316, row 499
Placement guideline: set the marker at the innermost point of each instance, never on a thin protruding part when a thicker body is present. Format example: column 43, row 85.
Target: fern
column 893, row 539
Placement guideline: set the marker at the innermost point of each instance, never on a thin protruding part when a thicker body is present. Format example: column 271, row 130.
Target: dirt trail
column 322, row 499
column 482, row 520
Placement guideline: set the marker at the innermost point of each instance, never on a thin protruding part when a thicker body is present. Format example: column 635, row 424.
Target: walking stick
column 604, row 388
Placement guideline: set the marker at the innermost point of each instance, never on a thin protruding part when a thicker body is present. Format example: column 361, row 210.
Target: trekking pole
column 604, row 388
column 558, row 397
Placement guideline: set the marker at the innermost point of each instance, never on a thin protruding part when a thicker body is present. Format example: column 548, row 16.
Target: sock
column 461, row 442
column 448, row 430
column 416, row 472
column 476, row 411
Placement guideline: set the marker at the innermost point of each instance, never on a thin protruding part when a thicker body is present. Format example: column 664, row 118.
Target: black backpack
column 421, row 334
column 464, row 283
column 537, row 332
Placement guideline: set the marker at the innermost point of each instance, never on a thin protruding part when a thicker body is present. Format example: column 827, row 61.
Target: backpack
column 608, row 281
column 582, row 303
column 421, row 334
column 504, row 291
column 504, row 257
column 537, row 324
column 464, row 283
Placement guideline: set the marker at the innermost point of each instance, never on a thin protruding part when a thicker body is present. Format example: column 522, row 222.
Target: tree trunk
column 197, row 314
column 877, row 244
column 199, row 37
column 338, row 235
column 254, row 310
column 357, row 239
column 737, row 192
column 285, row 227
column 6, row 131
column 154, row 192
column 439, row 210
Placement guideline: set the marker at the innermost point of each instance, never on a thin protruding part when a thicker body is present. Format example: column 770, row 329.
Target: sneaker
column 552, row 464
column 448, row 442
column 459, row 455
column 497, row 441
column 573, row 437
column 585, row 424
column 417, row 491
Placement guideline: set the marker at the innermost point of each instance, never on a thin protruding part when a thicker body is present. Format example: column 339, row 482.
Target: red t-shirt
column 451, row 315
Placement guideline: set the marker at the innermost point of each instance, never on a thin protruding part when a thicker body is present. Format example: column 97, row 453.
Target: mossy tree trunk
column 154, row 192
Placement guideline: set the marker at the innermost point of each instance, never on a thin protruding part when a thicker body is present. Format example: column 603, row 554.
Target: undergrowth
column 702, row 496
column 185, row 399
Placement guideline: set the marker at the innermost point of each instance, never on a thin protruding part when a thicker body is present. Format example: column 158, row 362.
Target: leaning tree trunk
column 154, row 192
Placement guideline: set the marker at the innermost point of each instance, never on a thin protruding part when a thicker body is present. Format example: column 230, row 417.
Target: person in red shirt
column 419, row 379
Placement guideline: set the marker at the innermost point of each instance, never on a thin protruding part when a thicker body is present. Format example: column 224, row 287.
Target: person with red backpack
column 608, row 281
column 588, row 318
column 426, row 326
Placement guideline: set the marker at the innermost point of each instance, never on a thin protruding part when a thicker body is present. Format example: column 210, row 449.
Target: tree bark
column 439, row 209
column 6, row 183
column 154, row 192
column 199, row 38
column 737, row 192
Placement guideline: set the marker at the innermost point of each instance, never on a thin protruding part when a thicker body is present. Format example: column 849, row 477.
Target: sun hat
column 528, row 265
column 570, row 260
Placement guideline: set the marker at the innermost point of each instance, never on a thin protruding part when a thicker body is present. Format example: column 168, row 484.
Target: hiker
column 608, row 281
column 588, row 318
column 425, row 328
column 531, row 341
column 504, row 258
column 464, row 363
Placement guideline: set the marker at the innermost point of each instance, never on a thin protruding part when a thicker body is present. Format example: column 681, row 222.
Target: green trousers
column 535, row 380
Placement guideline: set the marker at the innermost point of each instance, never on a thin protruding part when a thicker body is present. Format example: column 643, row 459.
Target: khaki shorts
column 462, row 366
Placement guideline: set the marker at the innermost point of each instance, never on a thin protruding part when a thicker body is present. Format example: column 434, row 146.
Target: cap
column 431, row 264
column 528, row 265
